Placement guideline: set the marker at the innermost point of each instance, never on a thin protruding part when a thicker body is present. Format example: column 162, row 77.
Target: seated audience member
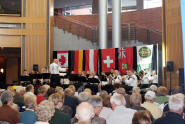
column 41, row 94
column 29, row 116
column 44, row 112
column 88, row 90
column 142, row 117
column 59, row 89
column 136, row 90
column 29, row 89
column 70, row 100
column 120, row 113
column 7, row 113
column 73, row 89
column 98, row 121
column 174, row 116
column 162, row 93
column 150, row 106
column 126, row 96
column 96, row 102
column 19, row 97
column 84, row 113
column 153, row 88
column 83, row 96
column 135, row 101
column 103, row 94
column 106, row 110
column 67, row 110
column 59, row 117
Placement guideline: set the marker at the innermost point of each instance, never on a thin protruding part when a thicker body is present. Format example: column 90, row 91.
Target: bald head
column 84, row 112
column 55, row 61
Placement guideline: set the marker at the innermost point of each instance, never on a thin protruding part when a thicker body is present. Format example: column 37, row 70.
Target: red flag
column 108, row 59
column 125, row 59
column 62, row 57
column 91, row 61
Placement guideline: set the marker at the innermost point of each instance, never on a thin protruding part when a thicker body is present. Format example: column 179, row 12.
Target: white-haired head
column 153, row 88
column 117, row 100
column 20, row 89
column 84, row 112
column 150, row 95
column 176, row 103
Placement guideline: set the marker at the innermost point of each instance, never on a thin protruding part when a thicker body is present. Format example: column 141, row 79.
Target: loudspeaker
column 35, row 67
column 170, row 66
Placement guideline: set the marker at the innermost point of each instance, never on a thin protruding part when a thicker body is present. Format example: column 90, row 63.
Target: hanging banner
column 62, row 57
column 144, row 58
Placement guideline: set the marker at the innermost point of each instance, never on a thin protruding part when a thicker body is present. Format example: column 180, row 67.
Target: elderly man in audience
column 135, row 101
column 84, row 96
column 162, row 97
column 29, row 116
column 120, row 113
column 150, row 106
column 59, row 117
column 41, row 94
column 44, row 112
column 7, row 113
column 29, row 89
column 96, row 102
column 174, row 116
column 84, row 113
column 153, row 88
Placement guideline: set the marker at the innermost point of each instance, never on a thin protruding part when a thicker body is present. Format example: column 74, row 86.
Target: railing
column 130, row 31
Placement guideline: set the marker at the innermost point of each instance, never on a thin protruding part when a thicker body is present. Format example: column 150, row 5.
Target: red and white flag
column 108, row 59
column 91, row 60
column 62, row 57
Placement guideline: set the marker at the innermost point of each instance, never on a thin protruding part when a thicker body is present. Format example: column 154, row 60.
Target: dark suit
column 60, row 118
column 9, row 114
column 170, row 118
column 72, row 102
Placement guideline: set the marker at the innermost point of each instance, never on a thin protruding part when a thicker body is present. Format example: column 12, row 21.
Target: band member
column 54, row 69
column 131, row 79
column 154, row 78
column 93, row 75
column 117, row 77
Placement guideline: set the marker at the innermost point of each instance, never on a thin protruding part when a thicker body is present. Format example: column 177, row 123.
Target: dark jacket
column 60, row 118
column 170, row 118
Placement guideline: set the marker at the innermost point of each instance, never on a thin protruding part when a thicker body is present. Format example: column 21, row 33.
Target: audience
column 44, row 112
column 150, row 106
column 84, row 113
column 84, row 96
column 142, row 117
column 8, row 114
column 162, row 93
column 41, row 94
column 174, row 116
column 59, row 117
column 29, row 116
column 120, row 113
column 135, row 101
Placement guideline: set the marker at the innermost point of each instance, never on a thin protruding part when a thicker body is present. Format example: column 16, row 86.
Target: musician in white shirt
column 131, row 80
column 154, row 78
column 117, row 77
column 54, row 69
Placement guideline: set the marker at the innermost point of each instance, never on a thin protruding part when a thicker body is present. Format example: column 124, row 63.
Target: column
column 103, row 24
column 116, row 23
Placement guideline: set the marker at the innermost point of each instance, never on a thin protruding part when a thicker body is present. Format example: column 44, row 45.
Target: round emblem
column 144, row 52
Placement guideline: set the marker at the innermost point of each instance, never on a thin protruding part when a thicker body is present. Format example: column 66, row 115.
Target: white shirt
column 118, row 79
column 145, row 80
column 55, row 68
column 154, row 79
column 105, row 112
column 121, row 115
column 39, row 122
column 131, row 81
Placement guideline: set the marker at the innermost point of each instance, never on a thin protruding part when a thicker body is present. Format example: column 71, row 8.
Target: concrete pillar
column 103, row 24
column 116, row 23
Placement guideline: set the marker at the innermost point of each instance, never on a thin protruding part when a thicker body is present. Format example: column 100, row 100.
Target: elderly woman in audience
column 174, row 116
column 153, row 88
column 106, row 110
column 136, row 90
column 135, row 101
column 84, row 96
column 150, row 106
column 29, row 116
column 41, row 94
column 88, row 90
column 59, row 117
column 84, row 113
column 120, row 113
column 142, row 117
column 126, row 96
column 8, row 114
column 44, row 112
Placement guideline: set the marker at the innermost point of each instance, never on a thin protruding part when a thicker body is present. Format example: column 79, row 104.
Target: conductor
column 54, row 69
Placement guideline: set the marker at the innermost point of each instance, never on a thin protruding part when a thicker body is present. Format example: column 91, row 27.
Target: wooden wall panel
column 172, row 39
column 10, row 41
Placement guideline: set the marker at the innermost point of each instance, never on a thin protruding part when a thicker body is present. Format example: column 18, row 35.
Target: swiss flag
column 108, row 59
column 62, row 57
